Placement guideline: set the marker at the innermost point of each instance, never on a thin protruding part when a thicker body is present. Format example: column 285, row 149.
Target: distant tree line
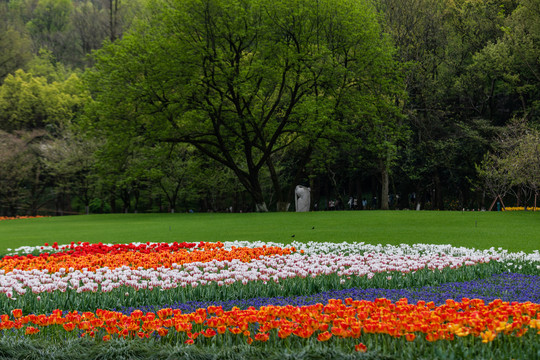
column 227, row 105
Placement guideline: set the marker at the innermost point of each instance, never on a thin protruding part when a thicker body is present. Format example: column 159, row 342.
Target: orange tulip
column 31, row 330
column 235, row 330
column 360, row 347
column 209, row 333
column 69, row 326
column 488, row 336
column 324, row 336
column 262, row 337
column 17, row 313
column 162, row 331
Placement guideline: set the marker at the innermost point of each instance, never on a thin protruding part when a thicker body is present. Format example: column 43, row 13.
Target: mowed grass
column 515, row 231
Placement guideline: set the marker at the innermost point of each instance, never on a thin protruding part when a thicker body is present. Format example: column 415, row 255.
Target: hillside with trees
column 227, row 105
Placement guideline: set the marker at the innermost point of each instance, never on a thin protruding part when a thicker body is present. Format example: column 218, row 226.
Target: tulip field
column 238, row 299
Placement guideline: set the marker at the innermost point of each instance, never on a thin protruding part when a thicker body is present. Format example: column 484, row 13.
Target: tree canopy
column 242, row 80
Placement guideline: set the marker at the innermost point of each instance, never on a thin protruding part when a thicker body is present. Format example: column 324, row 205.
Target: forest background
column 210, row 105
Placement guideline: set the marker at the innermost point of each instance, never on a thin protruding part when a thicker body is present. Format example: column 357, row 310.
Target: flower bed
column 348, row 297
column 20, row 217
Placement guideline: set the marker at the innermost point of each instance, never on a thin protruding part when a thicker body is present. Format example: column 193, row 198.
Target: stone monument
column 302, row 198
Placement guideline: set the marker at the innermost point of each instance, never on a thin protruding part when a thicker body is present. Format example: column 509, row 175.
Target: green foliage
column 29, row 101
column 456, row 90
column 254, row 80
column 17, row 164
column 36, row 105
column 50, row 27
column 284, row 93
column 522, row 37
column 515, row 163
column 83, row 349
column 15, row 46
column 69, row 159
column 50, row 16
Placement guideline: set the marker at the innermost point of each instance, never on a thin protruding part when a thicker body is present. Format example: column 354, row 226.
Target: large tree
column 514, row 165
column 241, row 80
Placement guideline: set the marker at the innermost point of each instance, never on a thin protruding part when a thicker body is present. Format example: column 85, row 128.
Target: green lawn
column 514, row 231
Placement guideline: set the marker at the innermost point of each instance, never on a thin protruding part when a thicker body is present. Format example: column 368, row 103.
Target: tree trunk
column 12, row 209
column 282, row 204
column 113, row 19
column 126, row 201
column 315, row 193
column 112, row 201
column 261, row 207
column 59, row 204
column 385, row 183
column 236, row 202
column 258, row 198
column 437, row 198
column 137, row 198
column 253, row 186
column 358, row 195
